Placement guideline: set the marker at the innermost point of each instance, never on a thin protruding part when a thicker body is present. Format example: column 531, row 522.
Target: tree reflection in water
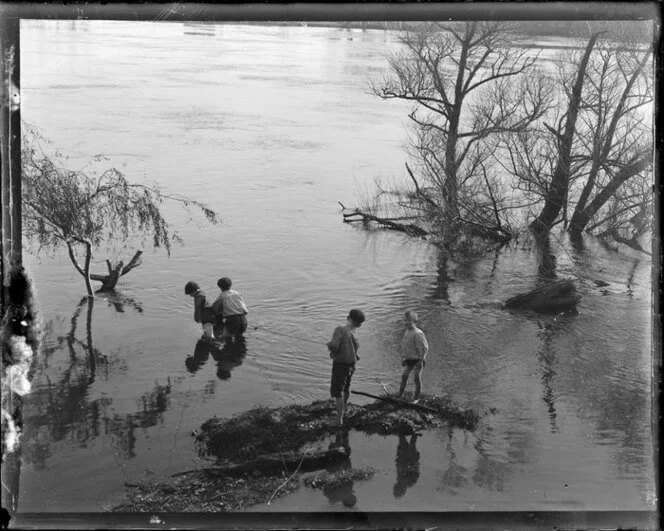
column 490, row 473
column 454, row 477
column 546, row 358
column 440, row 289
column 122, row 428
column 546, row 260
column 617, row 399
column 62, row 410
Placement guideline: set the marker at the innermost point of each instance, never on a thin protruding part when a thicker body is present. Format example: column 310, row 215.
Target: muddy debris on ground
column 326, row 479
column 261, row 454
column 197, row 492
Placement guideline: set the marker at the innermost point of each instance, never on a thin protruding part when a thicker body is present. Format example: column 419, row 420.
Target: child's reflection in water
column 341, row 493
column 408, row 465
column 228, row 356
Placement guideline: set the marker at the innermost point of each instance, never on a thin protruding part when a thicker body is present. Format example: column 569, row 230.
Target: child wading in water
column 414, row 348
column 230, row 305
column 203, row 312
column 343, row 350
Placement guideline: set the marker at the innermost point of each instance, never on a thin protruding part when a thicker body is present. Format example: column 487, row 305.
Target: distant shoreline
column 552, row 28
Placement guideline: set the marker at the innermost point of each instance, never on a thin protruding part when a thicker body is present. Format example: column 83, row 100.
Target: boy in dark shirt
column 202, row 310
column 343, row 351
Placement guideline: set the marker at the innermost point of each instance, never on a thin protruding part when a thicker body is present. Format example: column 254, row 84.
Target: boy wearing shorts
column 343, row 349
column 414, row 348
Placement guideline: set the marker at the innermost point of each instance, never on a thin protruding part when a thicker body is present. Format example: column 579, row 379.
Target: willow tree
column 467, row 82
column 70, row 208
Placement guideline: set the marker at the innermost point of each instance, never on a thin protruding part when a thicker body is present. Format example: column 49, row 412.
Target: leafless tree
column 617, row 128
column 467, row 84
column 563, row 132
column 597, row 139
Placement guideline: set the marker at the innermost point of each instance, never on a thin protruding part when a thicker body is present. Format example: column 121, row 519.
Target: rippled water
column 272, row 126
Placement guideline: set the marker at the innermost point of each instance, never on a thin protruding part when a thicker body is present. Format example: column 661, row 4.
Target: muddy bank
column 262, row 453
column 291, row 428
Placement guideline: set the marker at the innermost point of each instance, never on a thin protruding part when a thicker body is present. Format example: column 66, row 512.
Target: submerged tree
column 557, row 184
column 82, row 212
column 617, row 142
column 592, row 152
column 467, row 84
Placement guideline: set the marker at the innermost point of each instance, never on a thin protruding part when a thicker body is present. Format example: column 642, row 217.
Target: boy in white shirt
column 414, row 348
column 230, row 305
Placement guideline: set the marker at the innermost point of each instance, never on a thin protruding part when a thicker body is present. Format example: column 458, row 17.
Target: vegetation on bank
column 292, row 428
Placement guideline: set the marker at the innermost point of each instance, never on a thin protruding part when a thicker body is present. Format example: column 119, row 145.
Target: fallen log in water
column 307, row 461
column 390, row 223
column 555, row 297
column 399, row 402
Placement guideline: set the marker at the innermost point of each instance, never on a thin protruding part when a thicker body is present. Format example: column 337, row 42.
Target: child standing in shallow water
column 231, row 306
column 202, row 309
column 343, row 351
column 414, row 348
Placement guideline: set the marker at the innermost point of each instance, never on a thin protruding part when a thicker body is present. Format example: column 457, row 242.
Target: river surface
column 272, row 126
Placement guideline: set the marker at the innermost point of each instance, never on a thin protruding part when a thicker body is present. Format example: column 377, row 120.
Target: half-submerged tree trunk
column 276, row 462
column 114, row 273
column 551, row 298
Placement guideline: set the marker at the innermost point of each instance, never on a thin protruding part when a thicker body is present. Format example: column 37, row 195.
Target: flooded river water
column 272, row 126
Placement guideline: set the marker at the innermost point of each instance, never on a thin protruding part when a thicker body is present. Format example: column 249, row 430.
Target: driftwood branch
column 288, row 479
column 410, row 229
column 398, row 402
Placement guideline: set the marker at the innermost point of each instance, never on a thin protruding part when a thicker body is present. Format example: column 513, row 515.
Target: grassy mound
column 386, row 418
column 264, row 430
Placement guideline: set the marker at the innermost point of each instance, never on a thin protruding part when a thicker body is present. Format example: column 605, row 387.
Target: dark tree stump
column 552, row 298
column 114, row 273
